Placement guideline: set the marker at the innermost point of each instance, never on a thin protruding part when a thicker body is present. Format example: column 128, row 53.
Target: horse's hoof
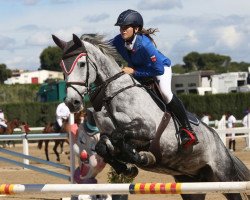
column 147, row 158
column 131, row 172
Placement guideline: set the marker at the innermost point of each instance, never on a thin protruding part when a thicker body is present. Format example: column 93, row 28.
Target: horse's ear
column 59, row 43
column 77, row 40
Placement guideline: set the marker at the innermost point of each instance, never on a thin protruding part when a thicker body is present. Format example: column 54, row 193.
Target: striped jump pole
column 134, row 188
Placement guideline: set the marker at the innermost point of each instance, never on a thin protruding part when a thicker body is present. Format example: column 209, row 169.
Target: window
column 192, row 91
column 191, row 84
column 180, row 91
column 178, row 85
column 241, row 83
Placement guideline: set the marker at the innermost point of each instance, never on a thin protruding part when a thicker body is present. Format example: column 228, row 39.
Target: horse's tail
column 40, row 144
column 243, row 173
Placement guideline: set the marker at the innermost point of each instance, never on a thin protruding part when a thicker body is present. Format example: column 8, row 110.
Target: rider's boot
column 56, row 127
column 187, row 135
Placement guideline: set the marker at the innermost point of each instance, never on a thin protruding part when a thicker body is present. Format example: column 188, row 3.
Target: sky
column 217, row 26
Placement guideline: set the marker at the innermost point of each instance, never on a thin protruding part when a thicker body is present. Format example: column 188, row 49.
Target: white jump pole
column 137, row 188
column 25, row 149
column 72, row 155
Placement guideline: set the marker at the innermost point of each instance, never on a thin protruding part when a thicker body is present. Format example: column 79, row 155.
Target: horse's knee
column 101, row 148
column 104, row 146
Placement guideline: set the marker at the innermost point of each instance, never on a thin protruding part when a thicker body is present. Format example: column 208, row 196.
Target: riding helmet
column 130, row 17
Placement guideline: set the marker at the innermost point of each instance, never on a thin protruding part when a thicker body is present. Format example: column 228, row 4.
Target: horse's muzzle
column 74, row 105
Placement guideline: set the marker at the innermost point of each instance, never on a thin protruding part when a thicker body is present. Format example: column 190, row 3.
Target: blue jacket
column 146, row 60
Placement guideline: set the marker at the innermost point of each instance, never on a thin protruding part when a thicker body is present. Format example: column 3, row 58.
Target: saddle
column 3, row 127
column 152, row 88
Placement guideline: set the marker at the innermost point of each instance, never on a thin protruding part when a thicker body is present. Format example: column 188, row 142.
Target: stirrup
column 191, row 138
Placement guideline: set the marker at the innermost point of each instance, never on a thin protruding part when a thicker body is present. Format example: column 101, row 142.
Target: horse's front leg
column 46, row 149
column 106, row 150
column 129, row 151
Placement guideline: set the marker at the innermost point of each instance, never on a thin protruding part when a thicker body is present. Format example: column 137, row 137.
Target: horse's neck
column 118, row 85
column 10, row 127
column 108, row 72
column 108, row 66
column 65, row 127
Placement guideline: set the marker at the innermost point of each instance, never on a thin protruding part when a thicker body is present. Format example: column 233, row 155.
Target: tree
column 206, row 61
column 191, row 61
column 50, row 59
column 214, row 61
column 4, row 73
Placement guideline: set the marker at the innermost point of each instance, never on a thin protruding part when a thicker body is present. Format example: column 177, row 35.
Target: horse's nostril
column 76, row 102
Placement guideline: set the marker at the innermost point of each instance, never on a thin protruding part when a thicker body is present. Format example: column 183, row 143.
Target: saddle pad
column 193, row 119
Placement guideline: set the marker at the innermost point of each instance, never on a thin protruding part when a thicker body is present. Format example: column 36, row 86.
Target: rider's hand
column 128, row 70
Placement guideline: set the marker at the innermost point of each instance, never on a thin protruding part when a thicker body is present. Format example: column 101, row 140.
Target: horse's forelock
column 72, row 49
column 70, row 53
column 98, row 41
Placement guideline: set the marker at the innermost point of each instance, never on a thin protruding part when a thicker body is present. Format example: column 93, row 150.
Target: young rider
column 136, row 46
column 62, row 113
column 2, row 119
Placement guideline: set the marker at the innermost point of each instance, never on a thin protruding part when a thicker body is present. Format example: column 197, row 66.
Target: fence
column 221, row 130
column 134, row 188
column 26, row 157
column 239, row 132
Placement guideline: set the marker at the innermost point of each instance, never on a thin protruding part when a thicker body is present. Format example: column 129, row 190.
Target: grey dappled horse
column 127, row 115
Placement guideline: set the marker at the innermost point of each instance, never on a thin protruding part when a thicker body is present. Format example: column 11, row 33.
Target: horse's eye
column 82, row 64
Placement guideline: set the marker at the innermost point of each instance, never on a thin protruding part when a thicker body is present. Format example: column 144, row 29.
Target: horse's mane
column 98, row 41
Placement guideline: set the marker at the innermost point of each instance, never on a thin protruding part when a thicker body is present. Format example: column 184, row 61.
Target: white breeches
column 59, row 121
column 165, row 83
column 3, row 124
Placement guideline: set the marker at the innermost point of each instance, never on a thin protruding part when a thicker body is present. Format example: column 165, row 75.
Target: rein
column 99, row 92
column 98, row 97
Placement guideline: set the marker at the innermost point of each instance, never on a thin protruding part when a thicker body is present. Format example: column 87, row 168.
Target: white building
column 228, row 82
column 204, row 82
column 34, row 77
column 197, row 82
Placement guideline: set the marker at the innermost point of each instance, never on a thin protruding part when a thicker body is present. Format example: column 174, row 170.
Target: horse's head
column 76, row 70
column 81, row 63
column 16, row 122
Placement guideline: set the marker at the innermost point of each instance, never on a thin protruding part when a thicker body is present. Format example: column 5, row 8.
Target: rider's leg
column 58, row 124
column 3, row 124
column 176, row 107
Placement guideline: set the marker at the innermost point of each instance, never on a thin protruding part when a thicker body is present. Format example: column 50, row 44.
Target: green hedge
column 218, row 104
column 37, row 114
column 18, row 93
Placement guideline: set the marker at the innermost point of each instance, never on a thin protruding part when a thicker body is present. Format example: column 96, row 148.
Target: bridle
column 72, row 84
column 98, row 92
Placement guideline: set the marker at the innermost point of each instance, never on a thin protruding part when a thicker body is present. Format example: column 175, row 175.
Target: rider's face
column 128, row 31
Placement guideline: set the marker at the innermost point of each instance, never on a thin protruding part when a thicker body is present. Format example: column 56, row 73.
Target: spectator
column 3, row 121
column 90, row 164
column 62, row 113
column 231, row 120
column 25, row 127
column 245, row 122
column 222, row 122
